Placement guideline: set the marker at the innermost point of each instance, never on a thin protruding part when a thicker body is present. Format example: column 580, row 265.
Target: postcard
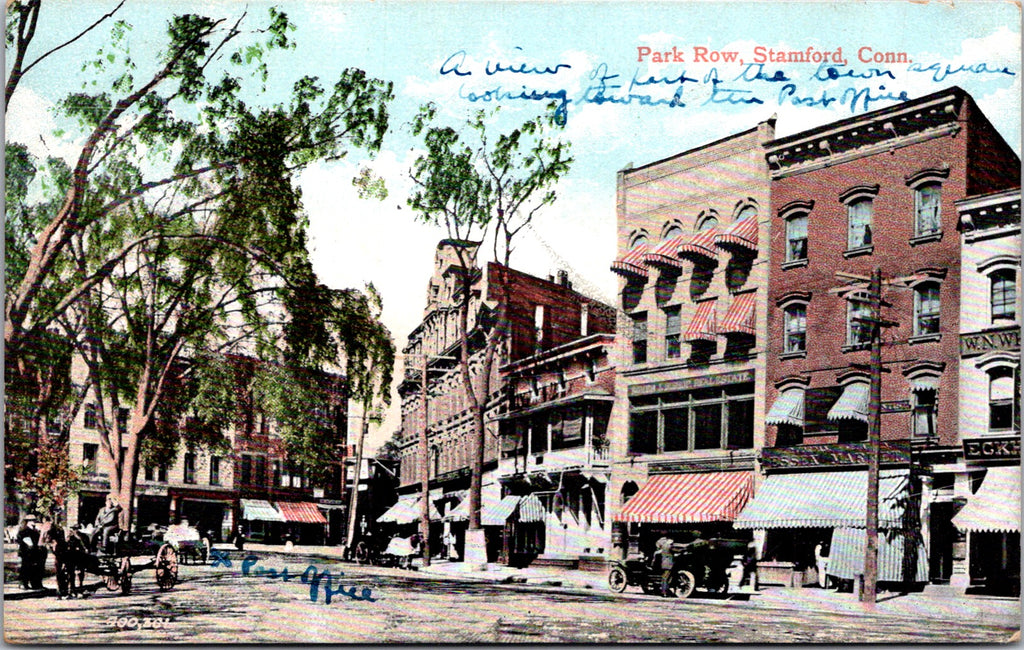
column 386, row 322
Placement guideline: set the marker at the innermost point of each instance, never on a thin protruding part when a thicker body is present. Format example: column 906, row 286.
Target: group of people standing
column 31, row 553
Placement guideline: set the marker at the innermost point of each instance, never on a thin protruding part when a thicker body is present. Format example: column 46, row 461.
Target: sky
column 635, row 82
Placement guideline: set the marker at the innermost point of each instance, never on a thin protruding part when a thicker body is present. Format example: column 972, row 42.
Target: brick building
column 540, row 315
column 979, row 490
column 877, row 190
column 693, row 233
column 252, row 483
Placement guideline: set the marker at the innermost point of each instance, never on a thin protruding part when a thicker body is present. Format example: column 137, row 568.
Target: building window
column 1004, row 295
column 91, row 419
column 259, row 471
column 89, row 451
column 190, row 468
column 214, row 470
column 538, row 327
column 924, row 413
column 246, row 471
column 277, row 480
column 796, row 238
column 859, row 220
column 161, row 474
column 149, row 473
column 858, row 330
column 707, row 418
column 672, row 330
column 584, row 318
column 795, row 329
column 1003, row 400
column 122, row 418
column 926, row 309
column 927, row 210
column 640, row 338
column 707, row 224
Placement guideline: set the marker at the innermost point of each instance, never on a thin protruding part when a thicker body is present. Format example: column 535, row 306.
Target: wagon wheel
column 125, row 575
column 617, row 580
column 362, row 554
column 166, row 567
column 685, row 584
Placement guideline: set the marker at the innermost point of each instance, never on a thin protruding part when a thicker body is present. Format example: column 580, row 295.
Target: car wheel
column 617, row 580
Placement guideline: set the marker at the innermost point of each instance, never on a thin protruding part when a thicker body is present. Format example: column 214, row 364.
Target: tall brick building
column 541, row 315
column 693, row 233
column 877, row 190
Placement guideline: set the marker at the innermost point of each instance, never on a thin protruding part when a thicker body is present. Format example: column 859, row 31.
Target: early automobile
column 700, row 564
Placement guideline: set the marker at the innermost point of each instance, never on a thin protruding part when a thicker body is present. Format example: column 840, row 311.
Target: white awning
column 852, row 404
column 995, row 508
column 259, row 510
column 788, row 408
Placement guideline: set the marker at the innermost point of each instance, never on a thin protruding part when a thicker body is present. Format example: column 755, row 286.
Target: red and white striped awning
column 702, row 327
column 740, row 317
column 665, row 254
column 702, row 247
column 301, row 512
column 632, row 263
column 690, row 498
column 742, row 233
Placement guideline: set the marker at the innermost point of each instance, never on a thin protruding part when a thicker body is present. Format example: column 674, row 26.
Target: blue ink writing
column 219, row 558
column 755, row 72
column 522, row 68
column 939, row 73
column 452, row 63
column 312, row 576
column 826, row 72
column 497, row 94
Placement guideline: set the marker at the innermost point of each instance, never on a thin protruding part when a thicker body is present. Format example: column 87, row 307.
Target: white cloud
column 29, row 120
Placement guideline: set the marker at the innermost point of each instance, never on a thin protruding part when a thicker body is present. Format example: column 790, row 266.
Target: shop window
column 796, row 238
column 858, row 329
column 1003, row 400
column 927, row 210
column 89, row 452
column 190, row 468
column 640, row 338
column 709, row 418
column 925, row 405
column 795, row 329
column 214, row 470
column 926, row 309
column 859, row 214
column 672, row 331
column 91, row 419
column 1003, row 295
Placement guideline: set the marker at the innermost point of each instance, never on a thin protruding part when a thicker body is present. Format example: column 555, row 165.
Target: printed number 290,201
column 133, row 622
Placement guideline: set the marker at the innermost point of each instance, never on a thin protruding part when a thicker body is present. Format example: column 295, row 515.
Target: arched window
column 794, row 326
column 926, row 309
column 629, row 490
column 707, row 224
column 927, row 209
column 796, row 237
column 859, row 223
column 1003, row 294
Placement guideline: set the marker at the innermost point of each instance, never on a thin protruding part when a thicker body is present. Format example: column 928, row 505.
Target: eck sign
column 992, row 448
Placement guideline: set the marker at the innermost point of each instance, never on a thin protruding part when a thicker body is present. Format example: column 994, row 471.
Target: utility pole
column 870, row 591
column 353, row 497
column 425, row 469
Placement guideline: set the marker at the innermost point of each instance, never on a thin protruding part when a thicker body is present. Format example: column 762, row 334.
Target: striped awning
column 301, row 512
column 632, row 263
column 259, row 510
column 496, row 514
column 689, row 498
column 701, row 248
column 702, row 327
column 740, row 317
column 407, row 510
column 665, row 254
column 531, row 509
column 901, row 555
column 742, row 234
column 852, row 404
column 826, row 500
column 788, row 408
column 995, row 507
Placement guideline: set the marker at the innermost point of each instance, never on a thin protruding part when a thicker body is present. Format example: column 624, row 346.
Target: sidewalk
column 942, row 606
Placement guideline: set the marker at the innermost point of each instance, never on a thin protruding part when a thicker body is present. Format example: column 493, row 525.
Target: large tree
column 178, row 232
column 477, row 186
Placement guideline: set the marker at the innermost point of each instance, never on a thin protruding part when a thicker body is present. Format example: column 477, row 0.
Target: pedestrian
column 28, row 542
column 663, row 549
column 239, row 538
column 821, row 563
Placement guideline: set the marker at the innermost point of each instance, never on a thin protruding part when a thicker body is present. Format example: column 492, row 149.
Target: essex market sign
column 992, row 448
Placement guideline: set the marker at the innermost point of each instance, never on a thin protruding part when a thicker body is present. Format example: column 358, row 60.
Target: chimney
column 563, row 279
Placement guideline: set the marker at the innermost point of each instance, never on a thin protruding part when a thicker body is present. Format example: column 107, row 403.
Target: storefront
column 261, row 521
column 991, row 522
column 304, row 523
column 807, row 521
column 684, row 506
